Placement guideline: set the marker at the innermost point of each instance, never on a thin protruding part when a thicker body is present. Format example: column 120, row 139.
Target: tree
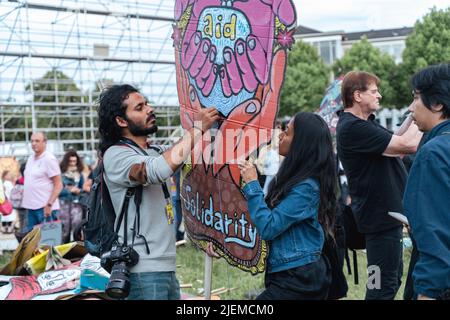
column 364, row 56
column 56, row 87
column 306, row 79
column 55, row 81
column 53, row 86
column 428, row 44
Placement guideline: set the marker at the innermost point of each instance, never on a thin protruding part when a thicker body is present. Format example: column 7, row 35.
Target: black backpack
column 334, row 251
column 98, row 229
column 99, row 233
column 354, row 240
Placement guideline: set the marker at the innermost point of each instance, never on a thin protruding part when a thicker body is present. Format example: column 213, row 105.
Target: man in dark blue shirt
column 376, row 178
column 427, row 194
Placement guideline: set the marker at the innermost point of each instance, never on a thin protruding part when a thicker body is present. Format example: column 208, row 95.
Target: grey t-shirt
column 153, row 221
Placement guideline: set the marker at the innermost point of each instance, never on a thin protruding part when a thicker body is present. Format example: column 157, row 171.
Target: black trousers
column 308, row 282
column 384, row 254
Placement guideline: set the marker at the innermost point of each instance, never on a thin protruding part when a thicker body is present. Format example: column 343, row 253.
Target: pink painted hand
column 244, row 62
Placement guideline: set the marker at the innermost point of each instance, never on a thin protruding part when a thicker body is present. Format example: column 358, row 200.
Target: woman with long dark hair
column 71, row 212
column 299, row 211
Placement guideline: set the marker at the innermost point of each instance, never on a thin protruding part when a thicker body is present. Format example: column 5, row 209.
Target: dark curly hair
column 65, row 161
column 111, row 106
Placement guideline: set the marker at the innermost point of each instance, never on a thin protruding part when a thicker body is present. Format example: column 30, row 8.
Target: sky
column 362, row 15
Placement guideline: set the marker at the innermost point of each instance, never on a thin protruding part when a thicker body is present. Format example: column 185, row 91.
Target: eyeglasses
column 374, row 91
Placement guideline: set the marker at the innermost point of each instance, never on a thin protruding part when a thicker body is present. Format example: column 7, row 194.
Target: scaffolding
column 56, row 56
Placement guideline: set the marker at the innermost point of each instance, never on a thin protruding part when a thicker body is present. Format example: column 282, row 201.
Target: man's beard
column 139, row 131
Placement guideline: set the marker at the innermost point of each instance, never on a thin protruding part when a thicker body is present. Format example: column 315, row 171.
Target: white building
column 332, row 45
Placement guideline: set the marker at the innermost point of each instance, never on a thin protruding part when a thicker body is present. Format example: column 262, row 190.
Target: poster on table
column 230, row 55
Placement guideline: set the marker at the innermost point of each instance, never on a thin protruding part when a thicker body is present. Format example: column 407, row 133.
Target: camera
column 116, row 262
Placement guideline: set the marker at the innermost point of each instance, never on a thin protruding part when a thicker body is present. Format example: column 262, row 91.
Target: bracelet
column 49, row 204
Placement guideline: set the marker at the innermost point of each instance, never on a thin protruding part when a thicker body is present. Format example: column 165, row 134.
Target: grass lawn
column 190, row 270
column 4, row 258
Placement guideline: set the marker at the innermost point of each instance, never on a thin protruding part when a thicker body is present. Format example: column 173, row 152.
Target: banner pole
column 208, row 276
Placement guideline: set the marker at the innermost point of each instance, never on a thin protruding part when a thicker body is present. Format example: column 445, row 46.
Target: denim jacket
column 292, row 229
column 427, row 202
column 65, row 193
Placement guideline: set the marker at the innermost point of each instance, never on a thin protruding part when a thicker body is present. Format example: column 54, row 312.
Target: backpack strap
column 355, row 267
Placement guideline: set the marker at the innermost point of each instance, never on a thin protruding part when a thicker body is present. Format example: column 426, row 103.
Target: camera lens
column 119, row 283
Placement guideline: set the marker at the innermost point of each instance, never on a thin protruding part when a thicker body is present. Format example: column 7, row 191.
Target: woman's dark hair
column 310, row 156
column 110, row 106
column 65, row 161
column 433, row 86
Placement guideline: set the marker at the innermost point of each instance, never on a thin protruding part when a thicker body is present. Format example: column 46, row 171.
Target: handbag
column 51, row 232
column 16, row 196
column 6, row 207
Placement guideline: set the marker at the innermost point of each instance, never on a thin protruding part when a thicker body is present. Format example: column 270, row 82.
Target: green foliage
column 190, row 269
column 56, row 87
column 99, row 86
column 5, row 257
column 306, row 79
column 428, row 44
column 55, row 81
column 363, row 56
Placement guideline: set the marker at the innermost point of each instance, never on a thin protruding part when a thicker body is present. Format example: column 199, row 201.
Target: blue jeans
column 154, row 286
column 36, row 217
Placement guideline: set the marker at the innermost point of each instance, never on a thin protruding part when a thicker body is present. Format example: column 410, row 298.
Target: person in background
column 17, row 196
column 8, row 221
column 42, row 183
column 426, row 198
column 71, row 212
column 176, row 199
column 376, row 176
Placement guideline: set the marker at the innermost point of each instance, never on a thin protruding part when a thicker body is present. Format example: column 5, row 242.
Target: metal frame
column 41, row 36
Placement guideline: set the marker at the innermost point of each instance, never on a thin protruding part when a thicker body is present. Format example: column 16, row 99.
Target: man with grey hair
column 42, row 183
column 370, row 155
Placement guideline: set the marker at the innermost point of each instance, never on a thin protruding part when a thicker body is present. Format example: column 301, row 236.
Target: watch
column 49, row 204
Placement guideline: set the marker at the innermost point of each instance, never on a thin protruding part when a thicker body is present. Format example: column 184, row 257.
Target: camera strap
column 124, row 214
column 138, row 196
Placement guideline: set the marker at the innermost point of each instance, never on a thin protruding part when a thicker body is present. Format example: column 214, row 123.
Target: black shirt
column 376, row 182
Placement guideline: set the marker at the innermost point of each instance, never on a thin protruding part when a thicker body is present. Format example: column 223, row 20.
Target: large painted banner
column 230, row 55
